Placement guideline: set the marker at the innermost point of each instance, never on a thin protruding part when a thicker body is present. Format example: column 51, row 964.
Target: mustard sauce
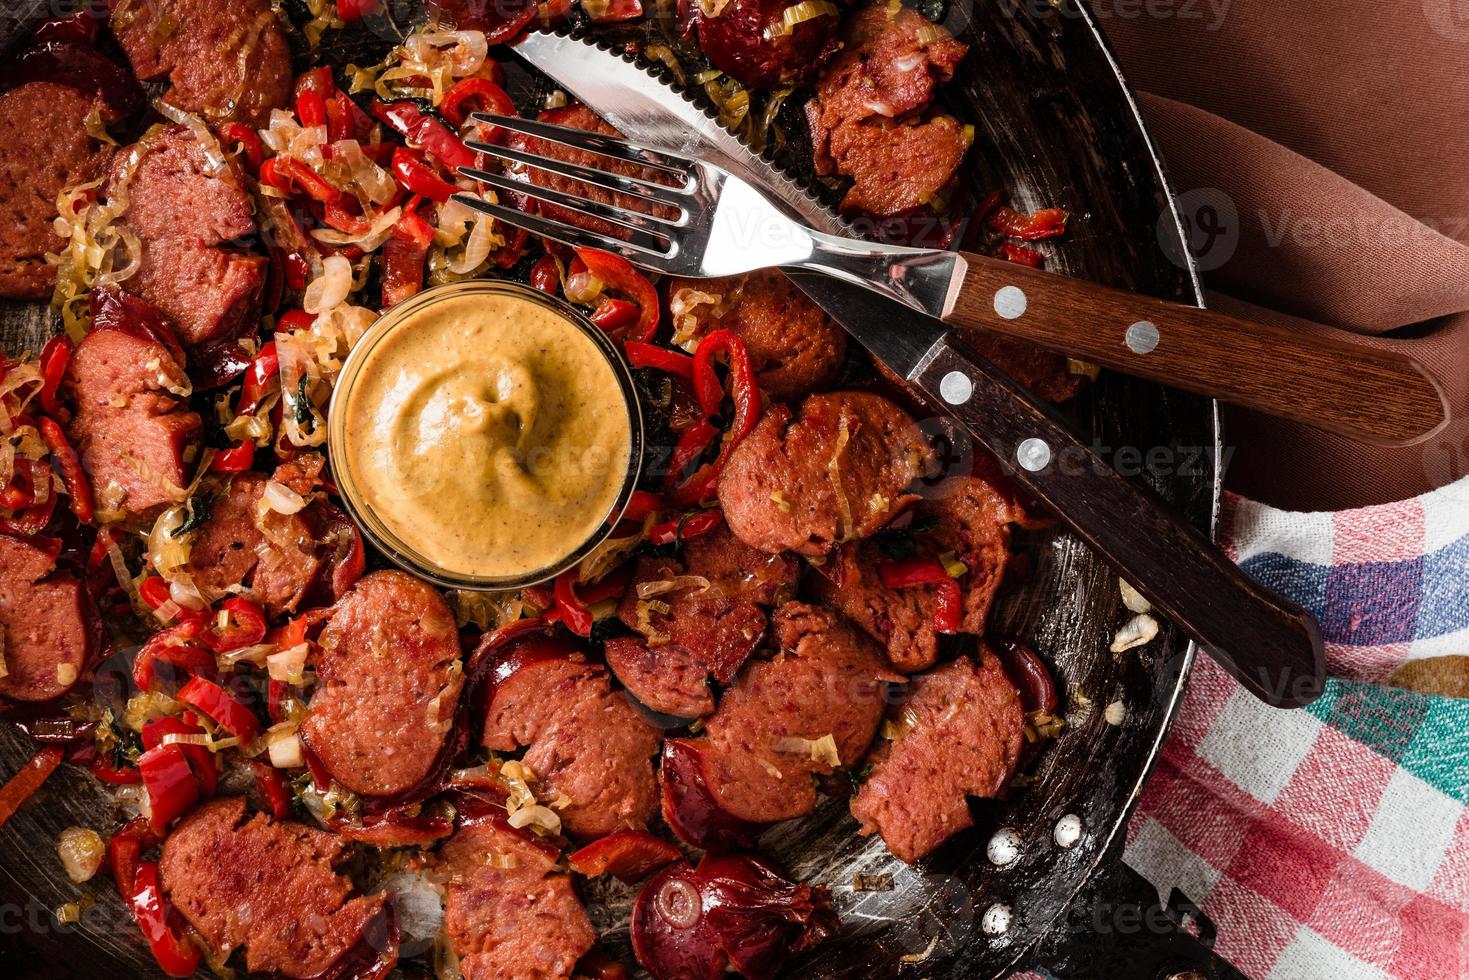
column 487, row 433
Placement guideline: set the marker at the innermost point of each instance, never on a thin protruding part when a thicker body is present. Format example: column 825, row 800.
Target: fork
column 699, row 220
column 705, row 222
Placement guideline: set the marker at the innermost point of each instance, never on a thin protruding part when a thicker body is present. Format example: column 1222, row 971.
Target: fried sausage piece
column 838, row 471
column 44, row 620
column 964, row 729
column 388, row 682
column 268, row 886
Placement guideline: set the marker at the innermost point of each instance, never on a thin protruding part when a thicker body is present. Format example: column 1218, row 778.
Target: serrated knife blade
column 656, row 114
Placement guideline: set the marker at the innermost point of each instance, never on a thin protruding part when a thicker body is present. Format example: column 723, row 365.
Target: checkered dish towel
column 1331, row 842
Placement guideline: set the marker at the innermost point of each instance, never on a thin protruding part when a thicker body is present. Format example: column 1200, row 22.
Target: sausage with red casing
column 45, row 619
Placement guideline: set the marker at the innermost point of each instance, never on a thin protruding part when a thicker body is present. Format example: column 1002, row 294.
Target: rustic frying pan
column 1056, row 126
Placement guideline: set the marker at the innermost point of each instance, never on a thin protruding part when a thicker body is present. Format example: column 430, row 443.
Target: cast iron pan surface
column 1056, row 127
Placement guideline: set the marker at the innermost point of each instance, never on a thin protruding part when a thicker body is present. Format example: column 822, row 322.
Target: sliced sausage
column 712, row 624
column 580, row 117
column 130, row 426
column 749, row 40
column 585, row 742
column 184, row 216
column 224, row 60
column 232, row 549
column 46, row 148
column 969, row 519
column 268, row 886
column 388, row 682
column 868, row 120
column 764, row 740
column 962, row 728
column 516, row 918
column 795, row 347
column 45, row 619
column 838, row 472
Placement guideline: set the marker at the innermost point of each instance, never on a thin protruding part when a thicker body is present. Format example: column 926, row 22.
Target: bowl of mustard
column 485, row 435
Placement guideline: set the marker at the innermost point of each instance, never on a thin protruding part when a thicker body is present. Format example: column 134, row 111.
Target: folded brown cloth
column 1325, row 151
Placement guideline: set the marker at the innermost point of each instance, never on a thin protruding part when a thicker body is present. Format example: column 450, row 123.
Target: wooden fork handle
column 1333, row 382
column 1272, row 646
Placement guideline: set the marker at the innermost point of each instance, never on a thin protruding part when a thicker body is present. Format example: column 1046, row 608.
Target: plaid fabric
column 1331, row 842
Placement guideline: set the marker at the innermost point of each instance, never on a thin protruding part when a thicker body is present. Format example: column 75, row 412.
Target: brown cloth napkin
column 1322, row 154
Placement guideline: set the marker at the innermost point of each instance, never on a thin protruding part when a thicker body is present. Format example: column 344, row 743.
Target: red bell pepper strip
column 412, row 224
column 351, row 11
column 1045, row 223
column 236, row 459
column 690, row 526
column 641, row 355
column 545, row 275
column 615, row 314
column 640, row 505
column 691, row 445
column 176, row 955
column 104, row 770
column 628, row 855
column 169, row 780
column 423, row 131
column 742, row 379
column 287, row 174
column 221, row 706
column 403, row 258
column 1021, row 255
column 273, row 787
column 78, row 487
column 201, row 760
column 181, row 646
column 311, row 108
column 298, row 269
column 245, row 625
column 948, row 603
column 55, row 358
column 264, row 373
column 492, row 97
column 154, row 591
column 572, row 608
column 618, row 275
column 32, row 518
column 247, row 140
column 125, row 849
column 23, row 785
column 417, row 177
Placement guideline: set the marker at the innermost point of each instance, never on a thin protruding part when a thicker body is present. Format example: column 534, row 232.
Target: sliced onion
column 287, row 665
column 281, row 498
column 331, row 288
column 537, row 817
column 214, row 157
column 678, row 583
column 482, row 239
column 81, row 850
column 186, row 594
column 285, row 753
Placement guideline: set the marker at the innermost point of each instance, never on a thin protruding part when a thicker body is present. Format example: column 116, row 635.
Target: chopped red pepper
column 1021, row 255
column 169, row 780
column 311, row 108
column 247, row 140
column 351, row 11
column 201, row 760
column 176, row 955
column 691, row 445
column 617, row 274
column 628, row 855
column 274, row 787
column 244, row 625
column 236, row 459
column 572, row 609
column 125, row 849
column 417, row 177
column 413, row 226
column 23, row 785
column 104, row 770
column 615, row 314
column 747, row 409
column 640, row 505
column 298, row 269
column 690, row 526
column 181, row 646
column 154, row 591
column 403, row 260
column 492, row 97
column 641, row 355
column 948, row 602
column 423, row 131
column 221, row 706
column 55, row 358
column 1045, row 223
column 614, row 11
column 287, row 174
column 78, row 487
column 545, row 275
column 29, row 518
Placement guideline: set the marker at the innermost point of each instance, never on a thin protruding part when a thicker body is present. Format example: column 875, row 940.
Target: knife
column 1270, row 645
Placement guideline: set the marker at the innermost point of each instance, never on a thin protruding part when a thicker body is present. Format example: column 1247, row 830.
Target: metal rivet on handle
column 1033, row 455
column 1068, row 830
column 1010, row 302
column 1004, row 847
column 996, row 919
column 956, row 388
column 1142, row 337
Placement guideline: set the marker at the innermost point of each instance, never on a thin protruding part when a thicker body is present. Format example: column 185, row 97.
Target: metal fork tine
column 581, row 139
column 568, row 234
column 647, row 190
column 623, row 217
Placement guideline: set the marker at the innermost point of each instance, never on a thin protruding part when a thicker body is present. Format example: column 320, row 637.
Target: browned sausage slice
column 963, row 735
column 508, row 913
column 46, row 148
column 44, row 620
column 586, row 743
column 185, row 216
column 269, row 887
column 232, row 550
column 837, row 472
column 812, row 710
column 968, row 518
column 130, row 426
column 795, row 347
column 388, row 682
column 224, row 60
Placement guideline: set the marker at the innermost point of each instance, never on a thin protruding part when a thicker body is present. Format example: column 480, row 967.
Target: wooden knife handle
column 1334, row 382
column 1270, row 645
